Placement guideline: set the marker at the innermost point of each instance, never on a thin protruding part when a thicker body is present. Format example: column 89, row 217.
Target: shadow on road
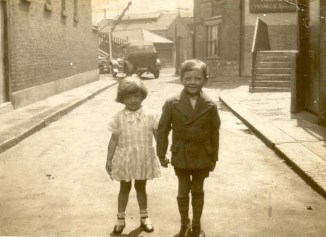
column 134, row 233
column 220, row 84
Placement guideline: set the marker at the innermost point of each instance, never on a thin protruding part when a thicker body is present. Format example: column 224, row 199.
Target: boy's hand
column 108, row 167
column 164, row 161
column 213, row 165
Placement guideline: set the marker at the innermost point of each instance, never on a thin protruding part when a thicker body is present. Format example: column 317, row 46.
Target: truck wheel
column 156, row 74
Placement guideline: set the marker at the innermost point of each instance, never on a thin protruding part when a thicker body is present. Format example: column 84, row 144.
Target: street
column 54, row 183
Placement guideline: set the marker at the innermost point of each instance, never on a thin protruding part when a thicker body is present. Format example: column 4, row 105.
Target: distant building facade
column 224, row 31
column 47, row 47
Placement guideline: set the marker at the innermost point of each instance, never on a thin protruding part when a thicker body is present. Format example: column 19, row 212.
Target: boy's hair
column 192, row 64
column 130, row 85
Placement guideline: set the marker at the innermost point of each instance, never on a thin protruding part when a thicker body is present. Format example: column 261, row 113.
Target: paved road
column 54, row 182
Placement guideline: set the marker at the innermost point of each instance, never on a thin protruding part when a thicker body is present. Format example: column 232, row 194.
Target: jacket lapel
column 203, row 104
column 184, row 106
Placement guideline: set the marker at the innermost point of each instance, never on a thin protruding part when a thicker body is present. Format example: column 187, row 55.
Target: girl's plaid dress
column 134, row 157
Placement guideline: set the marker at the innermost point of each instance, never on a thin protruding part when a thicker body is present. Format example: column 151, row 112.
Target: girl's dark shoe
column 197, row 232
column 146, row 225
column 119, row 226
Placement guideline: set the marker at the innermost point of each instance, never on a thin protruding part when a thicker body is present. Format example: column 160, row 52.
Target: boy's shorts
column 203, row 173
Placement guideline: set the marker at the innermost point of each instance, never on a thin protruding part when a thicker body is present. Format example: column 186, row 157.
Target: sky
column 115, row 7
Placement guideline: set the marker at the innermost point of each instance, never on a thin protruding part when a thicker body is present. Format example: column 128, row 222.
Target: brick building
column 217, row 35
column 47, row 47
column 225, row 29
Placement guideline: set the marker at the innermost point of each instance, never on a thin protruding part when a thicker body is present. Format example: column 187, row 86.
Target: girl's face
column 193, row 81
column 133, row 101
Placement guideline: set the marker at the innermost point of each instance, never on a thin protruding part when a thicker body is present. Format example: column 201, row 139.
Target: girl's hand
column 108, row 167
column 164, row 162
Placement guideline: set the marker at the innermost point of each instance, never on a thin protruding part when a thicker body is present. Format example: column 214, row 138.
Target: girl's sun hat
column 130, row 85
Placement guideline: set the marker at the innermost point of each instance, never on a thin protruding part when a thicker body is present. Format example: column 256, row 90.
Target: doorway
column 312, row 85
column 308, row 61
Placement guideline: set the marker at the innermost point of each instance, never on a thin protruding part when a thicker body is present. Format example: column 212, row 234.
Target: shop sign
column 264, row 6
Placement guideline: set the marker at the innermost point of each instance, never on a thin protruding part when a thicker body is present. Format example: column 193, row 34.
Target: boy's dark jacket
column 195, row 132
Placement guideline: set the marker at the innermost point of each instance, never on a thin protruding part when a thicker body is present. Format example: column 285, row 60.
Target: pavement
column 297, row 138
column 20, row 123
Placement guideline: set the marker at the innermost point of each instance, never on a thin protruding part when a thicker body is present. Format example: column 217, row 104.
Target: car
column 103, row 64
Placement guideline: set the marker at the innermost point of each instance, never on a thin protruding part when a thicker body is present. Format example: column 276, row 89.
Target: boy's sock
column 197, row 207
column 183, row 205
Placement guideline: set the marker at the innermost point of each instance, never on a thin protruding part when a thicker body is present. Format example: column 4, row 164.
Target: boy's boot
column 197, row 209
column 183, row 205
column 145, row 222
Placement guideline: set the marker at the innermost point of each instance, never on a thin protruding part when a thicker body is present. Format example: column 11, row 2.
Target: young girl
column 194, row 120
column 131, row 155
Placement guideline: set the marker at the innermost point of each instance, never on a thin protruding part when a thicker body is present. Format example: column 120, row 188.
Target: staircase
column 273, row 71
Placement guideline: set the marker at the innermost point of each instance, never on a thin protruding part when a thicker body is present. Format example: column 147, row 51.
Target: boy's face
column 193, row 81
column 133, row 101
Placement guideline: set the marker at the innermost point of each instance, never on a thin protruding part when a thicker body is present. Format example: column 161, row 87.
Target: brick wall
column 219, row 67
column 322, row 78
column 46, row 46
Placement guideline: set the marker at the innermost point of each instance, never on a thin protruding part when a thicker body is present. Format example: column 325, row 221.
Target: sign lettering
column 263, row 6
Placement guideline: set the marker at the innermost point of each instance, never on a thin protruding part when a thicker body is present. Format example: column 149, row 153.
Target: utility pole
column 177, row 41
column 115, row 25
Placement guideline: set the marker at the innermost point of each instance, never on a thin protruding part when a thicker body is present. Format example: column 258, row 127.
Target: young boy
column 193, row 118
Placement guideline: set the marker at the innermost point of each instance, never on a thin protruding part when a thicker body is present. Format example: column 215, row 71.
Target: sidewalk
column 295, row 137
column 20, row 123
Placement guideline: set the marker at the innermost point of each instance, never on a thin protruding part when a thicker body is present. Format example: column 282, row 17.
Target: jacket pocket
column 174, row 148
column 209, row 149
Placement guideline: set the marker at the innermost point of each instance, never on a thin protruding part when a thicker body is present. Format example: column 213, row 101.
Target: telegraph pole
column 177, row 41
column 115, row 25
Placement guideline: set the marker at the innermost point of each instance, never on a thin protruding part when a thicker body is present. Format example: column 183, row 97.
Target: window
column 63, row 8
column 48, row 5
column 213, row 37
column 76, row 10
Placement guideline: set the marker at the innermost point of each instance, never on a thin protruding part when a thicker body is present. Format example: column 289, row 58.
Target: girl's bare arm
column 112, row 146
column 111, row 149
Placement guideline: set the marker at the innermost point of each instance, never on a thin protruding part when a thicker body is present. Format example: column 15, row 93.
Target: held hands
column 164, row 161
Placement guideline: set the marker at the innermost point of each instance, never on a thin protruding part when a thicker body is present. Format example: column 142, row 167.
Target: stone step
column 275, row 71
column 263, row 58
column 276, row 53
column 270, row 89
column 273, row 77
column 274, row 64
column 272, row 83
